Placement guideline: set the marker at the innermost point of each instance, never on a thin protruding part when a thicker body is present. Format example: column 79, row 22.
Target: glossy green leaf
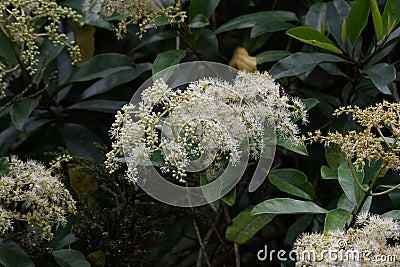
column 395, row 214
column 6, row 50
column 313, row 37
column 334, row 156
column 62, row 242
column 208, row 44
column 250, row 20
column 167, row 59
column 199, row 21
column 352, row 191
column 271, row 55
column 153, row 38
column 70, row 258
column 344, row 32
column 376, row 18
column 4, row 166
column 293, row 182
column 391, row 15
column 101, row 66
column 300, row 149
column 269, row 26
column 358, row 19
column 300, row 64
column 310, row 102
column 230, row 198
column 115, row 80
column 345, row 204
column 12, row 255
column 298, row 227
column 316, row 16
column 21, row 111
column 244, row 226
column 99, row 105
column 287, row 206
column 381, row 75
column 328, row 174
column 204, row 7
column 336, row 219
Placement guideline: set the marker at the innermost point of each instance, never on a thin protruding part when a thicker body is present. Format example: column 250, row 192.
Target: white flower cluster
column 210, row 117
column 366, row 246
column 30, row 193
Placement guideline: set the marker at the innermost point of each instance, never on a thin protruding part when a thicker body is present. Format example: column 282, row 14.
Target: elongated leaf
column 99, row 105
column 300, row 149
column 230, row 198
column 271, row 55
column 153, row 38
column 391, row 15
column 115, row 80
column 313, row 37
column 298, row 227
column 358, row 19
column 293, row 182
column 381, row 75
column 345, row 204
column 21, row 111
column 70, row 258
column 208, row 44
column 12, row 255
column 334, row 156
column 395, row 214
column 336, row 219
column 300, row 64
column 6, row 50
column 287, row 206
column 204, row 7
column 167, row 59
column 65, row 241
column 244, row 226
column 250, row 20
column 336, row 12
column 101, row 66
column 348, row 184
column 377, row 19
column 269, row 26
column 316, row 16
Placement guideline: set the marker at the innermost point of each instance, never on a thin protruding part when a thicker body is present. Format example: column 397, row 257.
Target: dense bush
column 67, row 67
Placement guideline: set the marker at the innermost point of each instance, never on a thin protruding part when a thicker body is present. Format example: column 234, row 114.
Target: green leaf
column 269, row 26
column 167, row 59
column 344, row 32
column 70, row 258
column 313, row 37
column 204, row 7
column 4, row 166
column 99, row 105
column 358, row 19
column 300, row 64
column 208, row 44
column 153, row 38
column 316, row 15
column 287, row 206
column 244, row 226
column 293, row 182
column 381, row 75
column 250, row 20
column 271, row 55
column 230, row 198
column 199, row 21
column 301, row 149
column 115, row 80
column 345, row 204
column 336, row 219
column 12, row 255
column 391, row 16
column 6, row 50
column 210, row 192
column 65, row 241
column 327, row 173
column 298, row 227
column 21, row 111
column 352, row 191
column 377, row 19
column 101, row 66
column 395, row 214
column 334, row 156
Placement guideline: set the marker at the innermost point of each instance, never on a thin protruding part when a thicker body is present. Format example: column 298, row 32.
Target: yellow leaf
column 242, row 60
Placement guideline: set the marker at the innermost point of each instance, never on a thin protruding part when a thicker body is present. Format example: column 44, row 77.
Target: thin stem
column 355, row 176
column 386, row 191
